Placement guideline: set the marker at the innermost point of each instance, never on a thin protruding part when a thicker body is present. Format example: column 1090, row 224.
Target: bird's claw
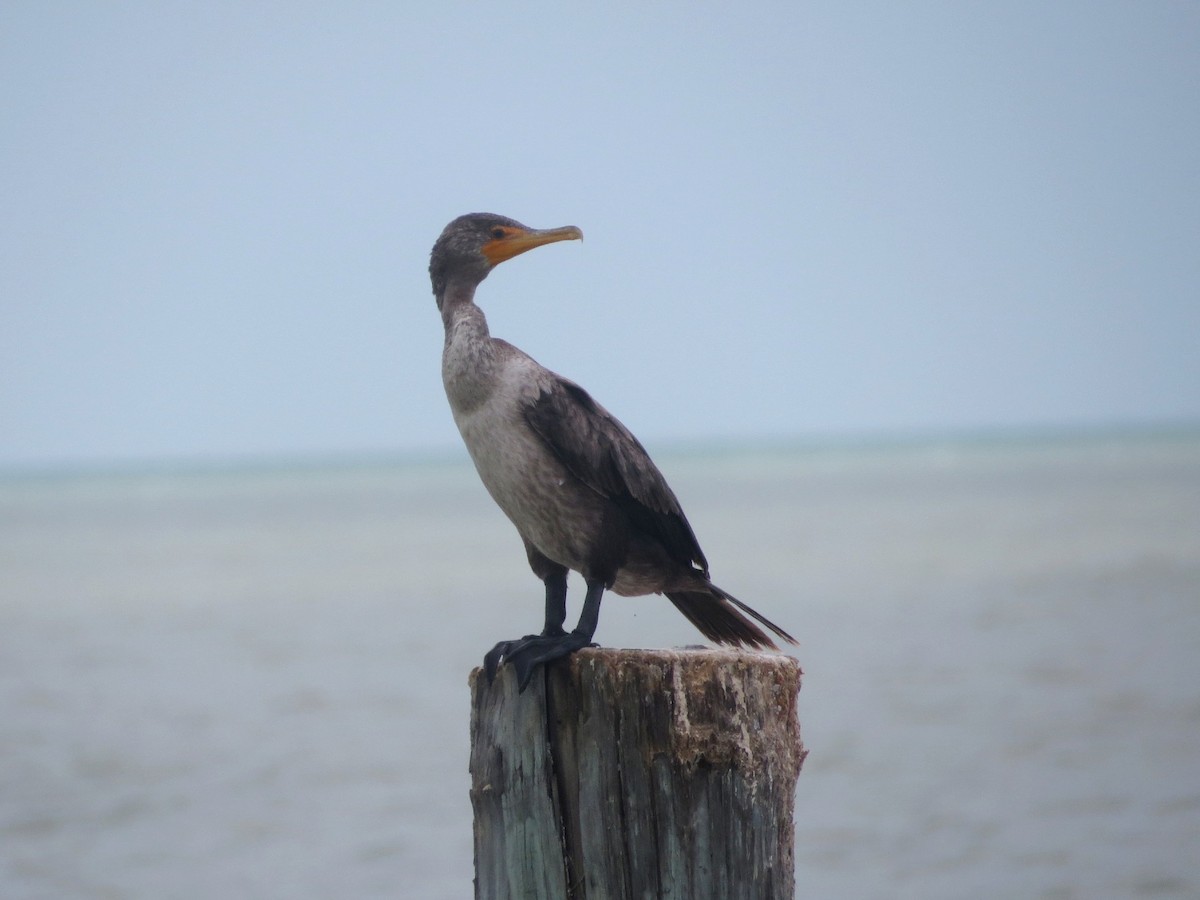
column 527, row 653
column 498, row 654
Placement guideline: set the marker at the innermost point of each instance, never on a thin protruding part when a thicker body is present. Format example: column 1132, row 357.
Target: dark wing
column 604, row 455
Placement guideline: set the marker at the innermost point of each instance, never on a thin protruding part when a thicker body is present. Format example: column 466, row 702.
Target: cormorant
column 581, row 490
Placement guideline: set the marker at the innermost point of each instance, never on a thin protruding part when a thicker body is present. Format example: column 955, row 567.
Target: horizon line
column 448, row 454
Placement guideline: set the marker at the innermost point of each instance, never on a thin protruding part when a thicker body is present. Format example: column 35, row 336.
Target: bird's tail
column 719, row 616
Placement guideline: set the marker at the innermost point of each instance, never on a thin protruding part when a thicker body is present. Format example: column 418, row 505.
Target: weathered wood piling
column 637, row 774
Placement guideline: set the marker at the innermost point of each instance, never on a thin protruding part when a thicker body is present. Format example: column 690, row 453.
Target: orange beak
column 516, row 241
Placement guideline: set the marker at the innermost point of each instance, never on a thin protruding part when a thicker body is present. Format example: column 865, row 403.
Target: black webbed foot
column 499, row 653
column 527, row 653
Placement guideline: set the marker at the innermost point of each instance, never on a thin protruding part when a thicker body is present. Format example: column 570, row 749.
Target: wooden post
column 637, row 774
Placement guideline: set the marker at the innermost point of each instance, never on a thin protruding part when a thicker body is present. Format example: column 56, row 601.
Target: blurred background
column 800, row 220
column 903, row 298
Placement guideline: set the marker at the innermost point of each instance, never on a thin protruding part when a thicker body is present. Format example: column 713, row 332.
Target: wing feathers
column 603, row 454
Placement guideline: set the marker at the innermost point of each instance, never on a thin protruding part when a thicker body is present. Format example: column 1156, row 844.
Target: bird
column 580, row 489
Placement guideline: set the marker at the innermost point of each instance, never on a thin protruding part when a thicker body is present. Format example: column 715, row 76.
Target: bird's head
column 472, row 245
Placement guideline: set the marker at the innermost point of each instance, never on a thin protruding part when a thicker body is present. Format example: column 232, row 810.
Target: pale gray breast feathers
column 528, row 482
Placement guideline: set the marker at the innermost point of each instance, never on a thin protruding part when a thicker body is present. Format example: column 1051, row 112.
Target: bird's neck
column 455, row 301
column 469, row 357
column 462, row 319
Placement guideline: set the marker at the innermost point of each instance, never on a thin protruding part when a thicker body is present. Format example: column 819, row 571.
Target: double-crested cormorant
column 581, row 490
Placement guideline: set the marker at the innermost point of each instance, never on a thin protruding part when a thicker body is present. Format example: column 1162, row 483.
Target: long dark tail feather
column 716, row 614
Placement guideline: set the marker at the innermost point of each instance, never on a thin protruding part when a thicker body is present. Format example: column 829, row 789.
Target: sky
column 802, row 220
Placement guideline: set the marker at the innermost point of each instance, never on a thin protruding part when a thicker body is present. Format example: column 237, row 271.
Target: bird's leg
column 589, row 618
column 556, row 614
column 530, row 652
column 556, row 603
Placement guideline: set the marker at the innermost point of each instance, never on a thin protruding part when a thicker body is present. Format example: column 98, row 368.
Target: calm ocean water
column 253, row 683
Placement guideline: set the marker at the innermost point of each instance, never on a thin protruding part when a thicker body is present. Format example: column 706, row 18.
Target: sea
column 251, row 681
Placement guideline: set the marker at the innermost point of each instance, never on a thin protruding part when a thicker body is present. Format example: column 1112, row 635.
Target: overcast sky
column 802, row 220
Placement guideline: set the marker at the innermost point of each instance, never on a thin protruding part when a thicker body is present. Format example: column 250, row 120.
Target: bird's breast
column 549, row 506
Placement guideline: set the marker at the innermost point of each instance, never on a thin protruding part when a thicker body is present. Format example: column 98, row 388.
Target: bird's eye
column 498, row 233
